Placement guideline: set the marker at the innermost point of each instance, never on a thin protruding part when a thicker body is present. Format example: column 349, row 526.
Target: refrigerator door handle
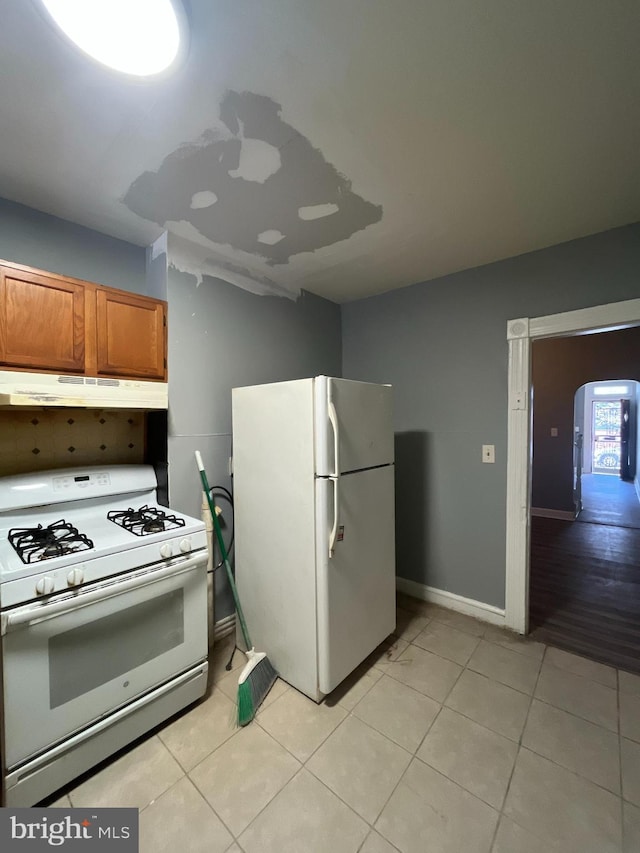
column 333, row 418
column 335, row 479
column 336, row 513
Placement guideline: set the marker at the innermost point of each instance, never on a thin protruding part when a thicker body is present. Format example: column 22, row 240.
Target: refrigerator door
column 356, row 586
column 275, row 524
column 354, row 419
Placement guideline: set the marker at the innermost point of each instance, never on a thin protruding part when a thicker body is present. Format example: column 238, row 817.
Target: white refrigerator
column 313, row 471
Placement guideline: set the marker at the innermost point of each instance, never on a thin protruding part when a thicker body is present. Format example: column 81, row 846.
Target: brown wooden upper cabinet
column 42, row 321
column 130, row 335
column 49, row 322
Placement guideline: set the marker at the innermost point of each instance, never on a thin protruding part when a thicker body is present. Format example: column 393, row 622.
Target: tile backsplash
column 37, row 439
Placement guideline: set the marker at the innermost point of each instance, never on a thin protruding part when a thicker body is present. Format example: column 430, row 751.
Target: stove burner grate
column 33, row 544
column 145, row 521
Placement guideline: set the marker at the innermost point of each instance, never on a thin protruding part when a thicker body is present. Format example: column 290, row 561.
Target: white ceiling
column 444, row 134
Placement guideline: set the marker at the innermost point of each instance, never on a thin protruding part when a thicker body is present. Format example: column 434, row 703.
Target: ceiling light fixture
column 143, row 38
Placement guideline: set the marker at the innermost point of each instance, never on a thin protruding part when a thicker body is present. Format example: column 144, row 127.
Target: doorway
column 605, row 421
column 584, row 573
column 605, row 449
column 520, row 335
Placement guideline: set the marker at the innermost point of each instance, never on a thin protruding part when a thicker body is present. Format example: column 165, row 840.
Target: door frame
column 520, row 333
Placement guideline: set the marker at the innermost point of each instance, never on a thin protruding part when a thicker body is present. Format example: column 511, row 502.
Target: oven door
column 75, row 658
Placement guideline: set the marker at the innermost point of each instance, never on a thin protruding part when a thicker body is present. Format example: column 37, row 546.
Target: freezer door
column 354, row 419
column 356, row 586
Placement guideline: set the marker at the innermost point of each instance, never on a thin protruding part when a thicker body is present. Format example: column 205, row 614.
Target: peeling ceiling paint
column 264, row 178
column 317, row 211
column 187, row 257
column 270, row 237
column 204, row 198
column 258, row 161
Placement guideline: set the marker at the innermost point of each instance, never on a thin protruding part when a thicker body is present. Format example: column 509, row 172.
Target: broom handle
column 223, row 550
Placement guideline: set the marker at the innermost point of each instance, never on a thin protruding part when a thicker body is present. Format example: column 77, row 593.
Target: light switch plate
column 489, row 453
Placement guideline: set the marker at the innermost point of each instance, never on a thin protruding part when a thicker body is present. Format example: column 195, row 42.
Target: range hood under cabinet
column 67, row 342
column 45, row 389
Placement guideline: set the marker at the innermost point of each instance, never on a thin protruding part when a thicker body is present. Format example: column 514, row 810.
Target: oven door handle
column 40, row 612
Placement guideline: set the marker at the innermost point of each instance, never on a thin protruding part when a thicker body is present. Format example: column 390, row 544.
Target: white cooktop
column 82, row 497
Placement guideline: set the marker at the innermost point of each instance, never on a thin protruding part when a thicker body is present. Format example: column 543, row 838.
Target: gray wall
column 442, row 344
column 55, row 245
column 221, row 337
column 559, row 367
column 157, row 272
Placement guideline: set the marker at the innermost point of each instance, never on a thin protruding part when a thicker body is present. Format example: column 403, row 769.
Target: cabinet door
column 131, row 335
column 42, row 321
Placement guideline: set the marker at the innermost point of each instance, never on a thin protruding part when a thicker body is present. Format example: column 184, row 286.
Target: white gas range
column 103, row 620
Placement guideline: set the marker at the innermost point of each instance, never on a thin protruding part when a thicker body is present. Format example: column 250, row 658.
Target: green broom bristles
column 246, row 711
column 254, row 688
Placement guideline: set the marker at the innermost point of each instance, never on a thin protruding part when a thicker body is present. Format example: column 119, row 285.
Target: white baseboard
column 468, row 606
column 224, row 627
column 561, row 514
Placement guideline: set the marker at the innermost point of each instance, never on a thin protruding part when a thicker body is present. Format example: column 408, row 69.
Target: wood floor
column 584, row 589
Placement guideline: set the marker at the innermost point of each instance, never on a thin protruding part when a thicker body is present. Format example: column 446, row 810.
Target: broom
column 258, row 675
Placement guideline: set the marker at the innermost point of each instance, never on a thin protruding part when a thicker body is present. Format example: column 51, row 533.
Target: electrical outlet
column 489, row 453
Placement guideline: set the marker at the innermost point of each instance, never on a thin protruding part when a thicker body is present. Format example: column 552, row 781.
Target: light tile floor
column 453, row 737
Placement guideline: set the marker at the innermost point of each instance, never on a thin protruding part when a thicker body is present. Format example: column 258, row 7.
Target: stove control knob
column 45, row 585
column 185, row 546
column 166, row 550
column 75, row 577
